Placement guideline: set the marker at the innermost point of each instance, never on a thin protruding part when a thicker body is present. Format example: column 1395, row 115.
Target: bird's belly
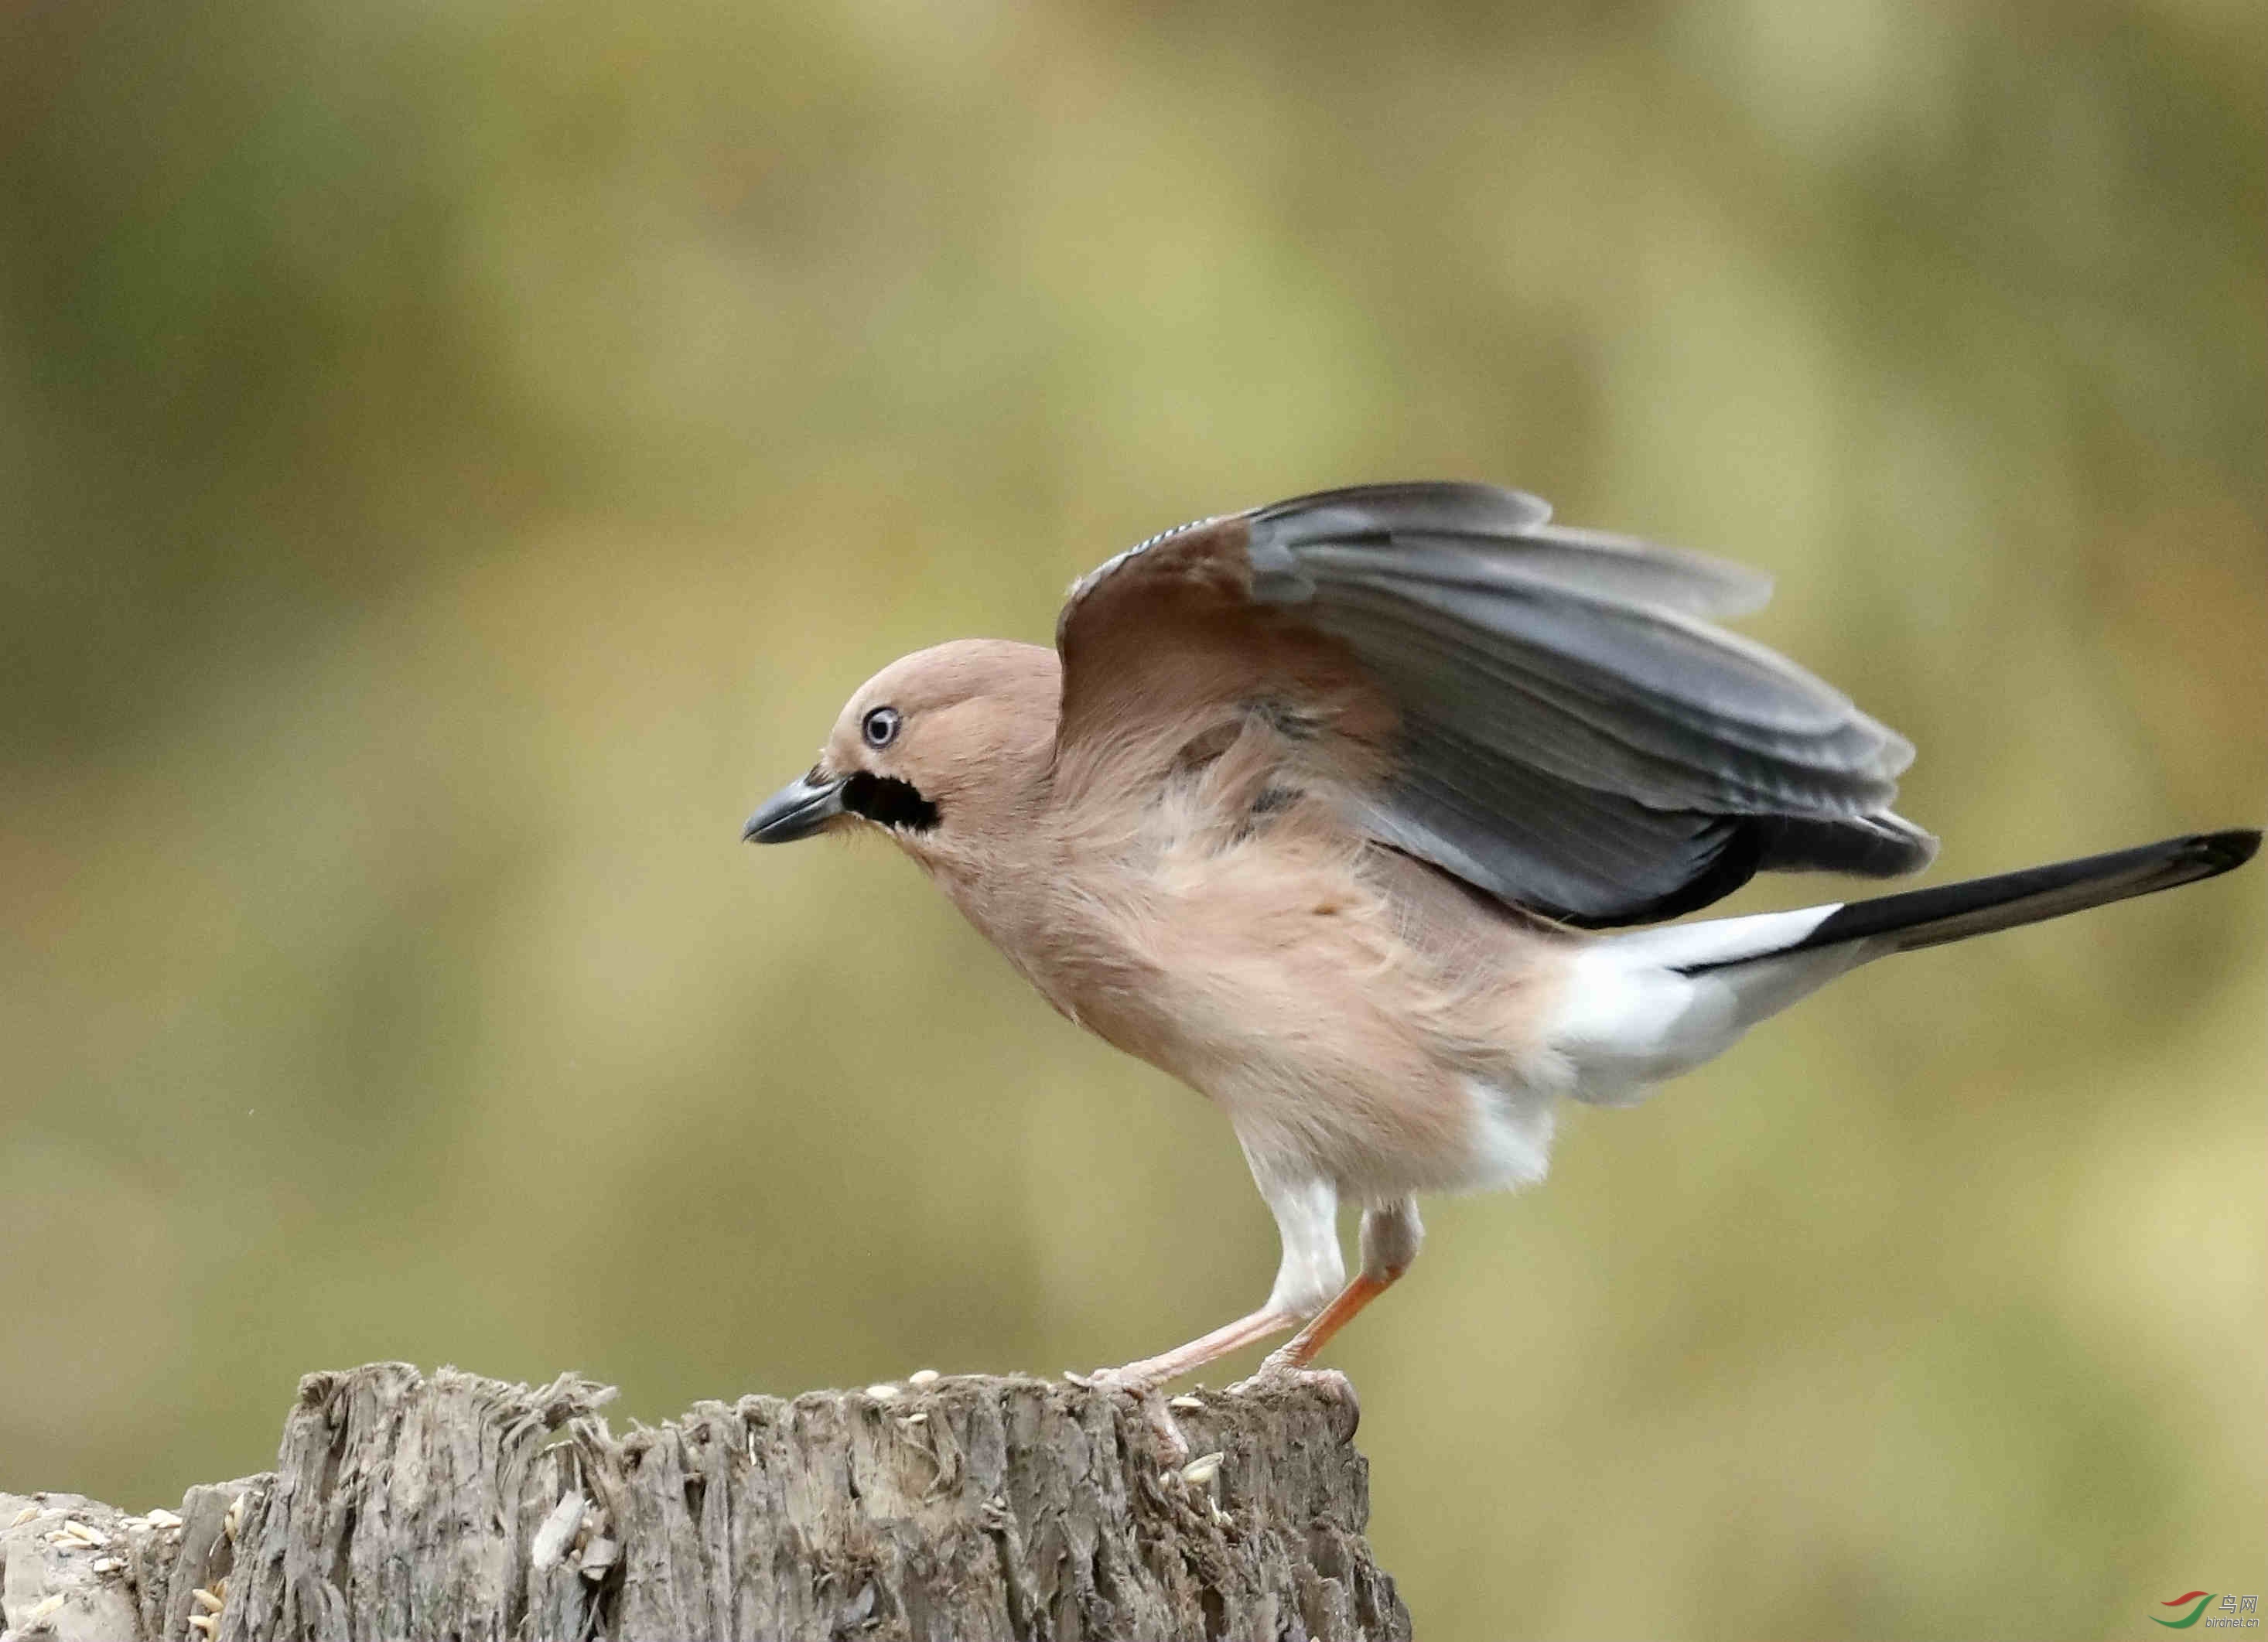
column 1332, row 1066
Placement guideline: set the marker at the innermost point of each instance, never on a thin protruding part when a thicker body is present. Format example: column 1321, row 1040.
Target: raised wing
column 1538, row 710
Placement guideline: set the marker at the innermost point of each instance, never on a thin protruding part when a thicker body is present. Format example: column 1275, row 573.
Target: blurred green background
column 457, row 457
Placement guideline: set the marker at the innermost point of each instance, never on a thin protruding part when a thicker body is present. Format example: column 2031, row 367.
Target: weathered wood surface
column 967, row 1509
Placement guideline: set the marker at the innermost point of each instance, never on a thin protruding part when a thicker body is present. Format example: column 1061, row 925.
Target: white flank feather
column 1634, row 1017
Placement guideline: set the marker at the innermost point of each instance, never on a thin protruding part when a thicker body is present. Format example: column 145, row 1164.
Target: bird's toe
column 1145, row 1391
column 1278, row 1375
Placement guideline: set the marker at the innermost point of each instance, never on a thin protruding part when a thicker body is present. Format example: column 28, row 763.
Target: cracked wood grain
column 970, row 1508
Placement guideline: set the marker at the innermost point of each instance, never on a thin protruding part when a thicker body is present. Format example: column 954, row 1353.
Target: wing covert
column 1541, row 710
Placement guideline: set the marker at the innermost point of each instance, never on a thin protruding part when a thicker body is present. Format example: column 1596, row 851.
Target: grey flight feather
column 1479, row 533
column 1574, row 737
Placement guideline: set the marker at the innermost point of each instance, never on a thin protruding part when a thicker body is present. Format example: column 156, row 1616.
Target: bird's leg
column 1312, row 1267
column 1152, row 1372
column 1390, row 1239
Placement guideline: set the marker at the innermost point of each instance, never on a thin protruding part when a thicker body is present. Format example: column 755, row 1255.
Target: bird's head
column 942, row 748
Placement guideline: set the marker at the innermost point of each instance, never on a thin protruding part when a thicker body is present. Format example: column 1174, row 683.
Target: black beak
column 796, row 811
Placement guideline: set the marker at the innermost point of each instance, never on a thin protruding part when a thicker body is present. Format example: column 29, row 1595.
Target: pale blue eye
column 880, row 726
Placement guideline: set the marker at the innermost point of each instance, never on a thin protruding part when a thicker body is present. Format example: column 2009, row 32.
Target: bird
column 1366, row 814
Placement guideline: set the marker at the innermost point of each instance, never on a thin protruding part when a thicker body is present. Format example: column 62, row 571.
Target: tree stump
column 963, row 1509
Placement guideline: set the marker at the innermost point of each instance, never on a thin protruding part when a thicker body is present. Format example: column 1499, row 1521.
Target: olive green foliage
column 454, row 459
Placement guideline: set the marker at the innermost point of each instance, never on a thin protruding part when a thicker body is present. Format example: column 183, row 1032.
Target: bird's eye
column 880, row 726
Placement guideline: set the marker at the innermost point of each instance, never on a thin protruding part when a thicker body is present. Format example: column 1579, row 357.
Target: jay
column 1348, row 810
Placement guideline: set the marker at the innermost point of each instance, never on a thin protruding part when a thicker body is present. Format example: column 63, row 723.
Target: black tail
column 1925, row 918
